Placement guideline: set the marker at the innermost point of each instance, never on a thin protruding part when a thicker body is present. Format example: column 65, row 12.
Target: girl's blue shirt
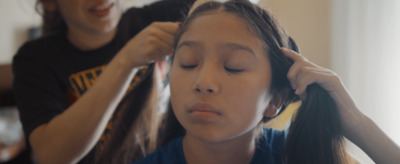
column 269, row 149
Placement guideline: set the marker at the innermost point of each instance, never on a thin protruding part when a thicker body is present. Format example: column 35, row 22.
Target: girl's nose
column 206, row 83
column 204, row 90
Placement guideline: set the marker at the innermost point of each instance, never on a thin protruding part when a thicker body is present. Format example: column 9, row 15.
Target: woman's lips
column 204, row 111
column 102, row 9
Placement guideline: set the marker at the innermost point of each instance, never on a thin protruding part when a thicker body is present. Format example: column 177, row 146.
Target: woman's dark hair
column 315, row 134
column 53, row 22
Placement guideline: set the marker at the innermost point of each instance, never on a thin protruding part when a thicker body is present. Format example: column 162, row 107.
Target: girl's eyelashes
column 190, row 66
column 228, row 69
column 233, row 70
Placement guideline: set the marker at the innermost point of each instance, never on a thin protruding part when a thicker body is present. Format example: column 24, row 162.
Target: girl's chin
column 207, row 137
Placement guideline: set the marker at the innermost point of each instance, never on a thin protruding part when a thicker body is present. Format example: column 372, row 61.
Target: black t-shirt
column 51, row 73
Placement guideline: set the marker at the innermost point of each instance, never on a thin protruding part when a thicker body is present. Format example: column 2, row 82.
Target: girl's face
column 90, row 16
column 220, row 78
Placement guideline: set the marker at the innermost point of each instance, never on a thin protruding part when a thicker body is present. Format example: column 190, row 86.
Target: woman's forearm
column 373, row 141
column 71, row 135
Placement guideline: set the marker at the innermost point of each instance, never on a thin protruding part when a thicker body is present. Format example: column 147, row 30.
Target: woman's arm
column 71, row 135
column 373, row 141
column 6, row 78
column 357, row 127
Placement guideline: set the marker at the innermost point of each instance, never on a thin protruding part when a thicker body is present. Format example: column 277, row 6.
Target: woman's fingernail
column 297, row 92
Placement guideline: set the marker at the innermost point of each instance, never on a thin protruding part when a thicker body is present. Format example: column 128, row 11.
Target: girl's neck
column 235, row 151
column 90, row 41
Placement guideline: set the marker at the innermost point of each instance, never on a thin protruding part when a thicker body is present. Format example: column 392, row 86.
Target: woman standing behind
column 66, row 105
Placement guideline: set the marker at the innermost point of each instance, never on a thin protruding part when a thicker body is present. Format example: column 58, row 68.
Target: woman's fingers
column 168, row 27
column 153, row 43
column 165, row 31
column 304, row 73
column 163, row 34
column 299, row 63
column 293, row 73
column 161, row 50
column 292, row 55
column 309, row 75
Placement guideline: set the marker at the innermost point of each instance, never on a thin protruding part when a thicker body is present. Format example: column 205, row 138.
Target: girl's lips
column 203, row 107
column 204, row 111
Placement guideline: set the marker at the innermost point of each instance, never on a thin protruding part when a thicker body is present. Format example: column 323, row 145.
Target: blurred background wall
column 308, row 24
column 16, row 17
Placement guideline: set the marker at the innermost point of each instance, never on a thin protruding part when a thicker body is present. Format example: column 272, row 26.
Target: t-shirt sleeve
column 38, row 92
column 167, row 10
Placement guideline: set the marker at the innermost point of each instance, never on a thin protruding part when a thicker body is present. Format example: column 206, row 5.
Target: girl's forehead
column 220, row 23
column 221, row 26
column 218, row 17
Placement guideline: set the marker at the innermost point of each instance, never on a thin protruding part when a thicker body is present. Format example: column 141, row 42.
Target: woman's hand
column 303, row 73
column 357, row 127
column 153, row 43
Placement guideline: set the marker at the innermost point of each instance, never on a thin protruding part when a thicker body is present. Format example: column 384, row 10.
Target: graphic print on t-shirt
column 82, row 81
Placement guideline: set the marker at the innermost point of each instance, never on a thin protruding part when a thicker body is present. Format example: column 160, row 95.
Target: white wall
column 365, row 54
column 16, row 17
column 308, row 22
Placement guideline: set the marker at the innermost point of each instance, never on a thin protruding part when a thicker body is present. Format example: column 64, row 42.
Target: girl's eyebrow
column 236, row 46
column 188, row 44
column 229, row 46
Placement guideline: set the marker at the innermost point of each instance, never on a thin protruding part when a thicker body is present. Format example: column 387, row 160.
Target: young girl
column 230, row 72
column 65, row 104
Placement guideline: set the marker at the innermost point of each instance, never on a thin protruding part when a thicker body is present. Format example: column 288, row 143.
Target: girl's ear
column 275, row 105
column 49, row 5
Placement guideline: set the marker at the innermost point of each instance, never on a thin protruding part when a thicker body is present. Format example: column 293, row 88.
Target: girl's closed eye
column 188, row 66
column 232, row 69
column 188, row 62
column 186, row 58
column 238, row 62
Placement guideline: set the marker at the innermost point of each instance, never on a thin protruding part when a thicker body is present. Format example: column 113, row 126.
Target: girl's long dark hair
column 134, row 134
column 315, row 134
